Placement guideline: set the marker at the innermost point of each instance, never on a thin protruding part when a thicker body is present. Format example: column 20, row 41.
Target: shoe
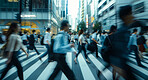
column 142, row 66
column 87, row 61
column 98, row 74
column 50, row 60
column 38, row 53
column 40, row 59
column 75, row 60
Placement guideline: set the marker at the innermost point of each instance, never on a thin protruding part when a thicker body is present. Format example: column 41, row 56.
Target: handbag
column 3, row 53
column 91, row 47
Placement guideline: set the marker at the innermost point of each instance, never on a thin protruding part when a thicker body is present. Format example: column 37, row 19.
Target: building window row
column 138, row 8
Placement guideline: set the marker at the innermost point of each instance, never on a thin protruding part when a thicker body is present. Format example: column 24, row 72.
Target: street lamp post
column 20, row 12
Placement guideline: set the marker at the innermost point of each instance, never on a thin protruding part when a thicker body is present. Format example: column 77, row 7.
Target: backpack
column 52, row 44
column 52, row 57
column 42, row 41
column 106, row 49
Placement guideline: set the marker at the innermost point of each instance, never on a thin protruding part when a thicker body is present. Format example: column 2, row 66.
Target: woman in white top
column 81, row 46
column 13, row 45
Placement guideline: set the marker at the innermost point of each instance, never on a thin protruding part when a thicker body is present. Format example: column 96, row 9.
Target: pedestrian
column 102, row 37
column 47, row 42
column 14, row 43
column 120, row 52
column 105, row 56
column 81, row 46
column 32, row 39
column 76, row 38
column 94, row 41
column 134, row 47
column 24, row 38
column 60, row 48
column 141, row 41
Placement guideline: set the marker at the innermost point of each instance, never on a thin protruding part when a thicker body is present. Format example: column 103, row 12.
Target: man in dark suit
column 32, row 41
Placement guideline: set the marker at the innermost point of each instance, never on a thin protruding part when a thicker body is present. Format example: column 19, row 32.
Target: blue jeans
column 47, row 52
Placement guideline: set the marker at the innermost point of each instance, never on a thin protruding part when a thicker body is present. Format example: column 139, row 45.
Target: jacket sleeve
column 60, row 47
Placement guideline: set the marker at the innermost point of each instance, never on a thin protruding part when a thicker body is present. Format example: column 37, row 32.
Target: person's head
column 125, row 13
column 113, row 29
column 80, row 32
column 48, row 30
column 33, row 31
column 65, row 25
column 135, row 31
column 95, row 31
column 103, row 32
column 25, row 32
column 14, row 28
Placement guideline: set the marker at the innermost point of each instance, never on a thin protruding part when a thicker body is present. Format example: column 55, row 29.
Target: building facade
column 108, row 11
column 44, row 14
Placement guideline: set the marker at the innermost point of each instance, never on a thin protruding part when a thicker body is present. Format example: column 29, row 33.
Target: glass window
column 138, row 8
column 112, row 7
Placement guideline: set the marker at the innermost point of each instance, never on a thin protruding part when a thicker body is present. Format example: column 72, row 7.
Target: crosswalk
column 34, row 69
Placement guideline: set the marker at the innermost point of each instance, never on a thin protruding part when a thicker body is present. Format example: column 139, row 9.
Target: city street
column 34, row 69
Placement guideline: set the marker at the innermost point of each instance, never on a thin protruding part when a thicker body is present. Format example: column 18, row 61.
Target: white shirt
column 14, row 41
column 24, row 37
column 81, row 37
column 3, row 37
column 94, row 36
column 47, row 37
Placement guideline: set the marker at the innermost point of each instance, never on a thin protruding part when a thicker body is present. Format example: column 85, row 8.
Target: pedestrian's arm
column 58, row 46
column 94, row 40
column 25, row 51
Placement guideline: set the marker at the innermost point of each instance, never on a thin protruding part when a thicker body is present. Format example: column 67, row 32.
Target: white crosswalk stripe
column 27, row 72
column 107, row 74
column 69, row 62
column 13, row 70
column 86, row 71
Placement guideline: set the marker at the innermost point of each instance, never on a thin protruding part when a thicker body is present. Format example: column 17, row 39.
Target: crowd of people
column 116, row 44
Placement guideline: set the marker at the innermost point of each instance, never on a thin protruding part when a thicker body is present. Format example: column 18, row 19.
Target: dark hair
column 13, row 27
column 113, row 29
column 80, row 32
column 95, row 31
column 64, row 24
column 33, row 31
column 124, row 11
column 135, row 30
column 48, row 29
column 25, row 32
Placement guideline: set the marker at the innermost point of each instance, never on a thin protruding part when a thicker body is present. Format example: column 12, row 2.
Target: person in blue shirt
column 133, row 46
column 60, row 48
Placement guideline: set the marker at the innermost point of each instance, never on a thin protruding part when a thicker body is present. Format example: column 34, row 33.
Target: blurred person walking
column 60, row 48
column 32, row 40
column 119, row 55
column 94, row 41
column 141, row 41
column 47, row 42
column 81, row 46
column 106, row 54
column 134, row 47
column 24, row 38
column 13, row 45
